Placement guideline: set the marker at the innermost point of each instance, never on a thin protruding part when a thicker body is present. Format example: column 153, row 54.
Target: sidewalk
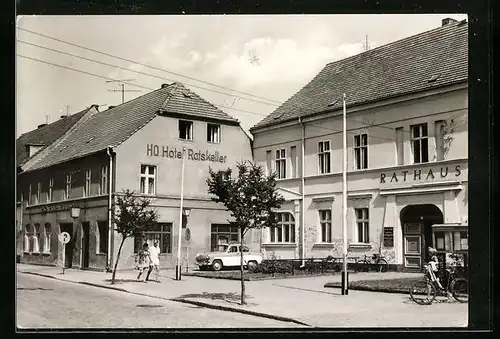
column 301, row 300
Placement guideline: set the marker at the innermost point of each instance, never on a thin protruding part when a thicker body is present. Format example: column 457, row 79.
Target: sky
column 245, row 65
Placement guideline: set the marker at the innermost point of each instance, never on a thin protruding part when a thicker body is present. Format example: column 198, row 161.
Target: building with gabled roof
column 137, row 146
column 407, row 114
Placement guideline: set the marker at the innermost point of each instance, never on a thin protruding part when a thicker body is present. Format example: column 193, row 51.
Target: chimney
column 164, row 85
column 41, row 125
column 96, row 106
column 110, row 107
column 64, row 116
column 448, row 21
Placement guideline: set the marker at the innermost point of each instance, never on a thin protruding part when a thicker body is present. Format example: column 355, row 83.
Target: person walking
column 154, row 252
column 143, row 260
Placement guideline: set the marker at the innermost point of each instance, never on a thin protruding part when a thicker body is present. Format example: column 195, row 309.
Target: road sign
column 188, row 234
column 64, row 237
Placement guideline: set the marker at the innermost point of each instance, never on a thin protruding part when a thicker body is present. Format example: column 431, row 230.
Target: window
column 28, row 235
column 47, row 235
column 38, row 192
column 86, row 187
column 361, row 151
column 293, row 158
column 439, row 135
column 269, row 170
column 102, row 237
column 284, row 232
column 161, row 232
column 50, row 193
column 36, row 239
column 221, row 235
column 325, row 220
column 103, row 185
column 451, row 241
column 281, row 163
column 185, row 130
column 400, row 145
column 362, row 225
column 67, row 191
column 148, row 176
column 420, row 143
column 324, row 157
column 213, row 133
column 30, row 198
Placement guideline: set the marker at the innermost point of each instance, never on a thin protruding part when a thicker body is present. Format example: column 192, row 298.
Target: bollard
column 345, row 284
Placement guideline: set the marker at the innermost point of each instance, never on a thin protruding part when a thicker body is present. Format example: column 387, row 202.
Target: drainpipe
column 302, row 192
column 109, row 150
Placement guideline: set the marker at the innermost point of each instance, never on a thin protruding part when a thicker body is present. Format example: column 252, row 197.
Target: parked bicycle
column 381, row 264
column 423, row 292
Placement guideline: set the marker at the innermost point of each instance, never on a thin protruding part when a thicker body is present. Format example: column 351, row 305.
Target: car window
column 233, row 249
column 245, row 249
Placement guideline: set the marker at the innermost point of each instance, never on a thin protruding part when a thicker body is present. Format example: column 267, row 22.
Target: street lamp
column 186, row 212
column 75, row 212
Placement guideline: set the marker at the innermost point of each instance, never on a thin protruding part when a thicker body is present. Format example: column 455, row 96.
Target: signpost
column 64, row 238
column 188, row 238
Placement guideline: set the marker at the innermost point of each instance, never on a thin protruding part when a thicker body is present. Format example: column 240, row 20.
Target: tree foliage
column 251, row 197
column 133, row 215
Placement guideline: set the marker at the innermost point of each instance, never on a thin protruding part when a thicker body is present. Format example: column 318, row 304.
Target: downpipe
column 302, row 193
column 109, row 151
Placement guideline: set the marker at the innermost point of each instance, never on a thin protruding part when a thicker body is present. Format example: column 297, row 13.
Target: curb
column 368, row 289
column 180, row 300
column 239, row 310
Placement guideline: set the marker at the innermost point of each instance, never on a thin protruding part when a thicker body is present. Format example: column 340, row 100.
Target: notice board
column 388, row 237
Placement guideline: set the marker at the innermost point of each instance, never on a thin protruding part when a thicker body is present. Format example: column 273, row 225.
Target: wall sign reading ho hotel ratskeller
column 176, row 153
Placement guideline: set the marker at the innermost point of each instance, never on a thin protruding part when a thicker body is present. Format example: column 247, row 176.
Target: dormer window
column 32, row 149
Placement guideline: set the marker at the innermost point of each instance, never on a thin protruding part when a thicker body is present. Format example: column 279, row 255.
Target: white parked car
column 228, row 255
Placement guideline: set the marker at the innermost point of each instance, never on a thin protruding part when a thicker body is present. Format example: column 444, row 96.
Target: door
column 413, row 245
column 68, row 252
column 85, row 245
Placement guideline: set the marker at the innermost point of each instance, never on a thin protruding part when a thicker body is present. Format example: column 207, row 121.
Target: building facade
column 407, row 169
column 136, row 146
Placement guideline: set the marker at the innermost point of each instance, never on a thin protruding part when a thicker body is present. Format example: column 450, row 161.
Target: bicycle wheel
column 382, row 265
column 423, row 292
column 460, row 290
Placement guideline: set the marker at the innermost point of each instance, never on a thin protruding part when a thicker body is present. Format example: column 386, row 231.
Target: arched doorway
column 416, row 221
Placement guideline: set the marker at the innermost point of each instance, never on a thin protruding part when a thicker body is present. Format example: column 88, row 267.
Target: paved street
column 49, row 303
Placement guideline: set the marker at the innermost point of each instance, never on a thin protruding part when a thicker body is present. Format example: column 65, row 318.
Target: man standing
column 154, row 252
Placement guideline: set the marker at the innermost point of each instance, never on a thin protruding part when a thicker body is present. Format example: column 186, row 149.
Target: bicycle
column 380, row 262
column 429, row 287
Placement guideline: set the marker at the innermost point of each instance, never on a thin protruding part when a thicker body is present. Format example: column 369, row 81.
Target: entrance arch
column 416, row 221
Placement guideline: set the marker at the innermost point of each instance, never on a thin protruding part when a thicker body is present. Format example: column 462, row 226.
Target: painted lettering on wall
column 191, row 154
column 61, row 207
column 418, row 174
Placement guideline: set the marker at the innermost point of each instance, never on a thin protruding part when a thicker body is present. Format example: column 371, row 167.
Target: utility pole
column 122, row 89
column 345, row 282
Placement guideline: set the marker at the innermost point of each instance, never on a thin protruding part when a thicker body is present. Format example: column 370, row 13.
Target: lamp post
column 181, row 211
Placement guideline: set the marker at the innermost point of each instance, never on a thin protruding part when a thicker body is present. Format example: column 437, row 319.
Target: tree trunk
column 241, row 268
column 116, row 262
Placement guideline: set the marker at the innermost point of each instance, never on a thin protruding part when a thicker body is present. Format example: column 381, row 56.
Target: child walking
column 143, row 260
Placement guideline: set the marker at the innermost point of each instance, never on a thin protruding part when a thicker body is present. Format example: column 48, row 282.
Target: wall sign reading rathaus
column 418, row 174
column 191, row 154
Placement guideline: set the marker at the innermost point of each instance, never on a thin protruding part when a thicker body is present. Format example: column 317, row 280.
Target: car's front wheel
column 217, row 265
column 252, row 264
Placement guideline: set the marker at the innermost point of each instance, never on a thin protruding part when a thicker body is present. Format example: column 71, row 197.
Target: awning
column 450, row 227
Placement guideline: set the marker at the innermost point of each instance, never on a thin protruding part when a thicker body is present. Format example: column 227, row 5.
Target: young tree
column 251, row 198
column 133, row 216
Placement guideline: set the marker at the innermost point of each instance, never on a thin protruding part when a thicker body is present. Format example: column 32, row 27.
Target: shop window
column 281, row 163
column 362, row 223
column 161, row 232
column 213, row 133
column 324, row 157
column 47, row 235
column 50, row 192
column 28, row 235
column 325, row 220
column 103, row 185
column 36, row 239
column 361, row 151
column 284, row 232
column 400, row 152
column 450, row 241
column 148, row 179
column 185, row 130
column 420, row 143
column 86, row 187
column 221, row 235
column 67, row 190
column 102, row 237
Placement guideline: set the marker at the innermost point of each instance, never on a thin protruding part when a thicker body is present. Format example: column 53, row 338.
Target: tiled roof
column 395, row 69
column 115, row 125
column 45, row 135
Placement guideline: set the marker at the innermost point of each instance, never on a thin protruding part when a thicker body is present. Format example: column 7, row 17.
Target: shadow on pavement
column 232, row 298
column 121, row 281
column 34, row 289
